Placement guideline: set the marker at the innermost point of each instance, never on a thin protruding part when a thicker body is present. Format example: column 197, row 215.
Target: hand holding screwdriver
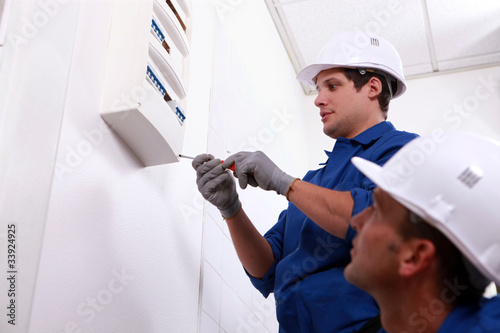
column 256, row 169
column 216, row 185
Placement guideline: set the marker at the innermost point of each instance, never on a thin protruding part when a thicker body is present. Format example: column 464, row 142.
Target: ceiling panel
column 465, row 33
column 430, row 35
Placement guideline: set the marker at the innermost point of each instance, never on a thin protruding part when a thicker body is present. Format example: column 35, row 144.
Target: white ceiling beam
column 430, row 39
column 289, row 42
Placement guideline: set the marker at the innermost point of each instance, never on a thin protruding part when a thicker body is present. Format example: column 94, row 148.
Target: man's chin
column 329, row 133
column 352, row 276
column 348, row 272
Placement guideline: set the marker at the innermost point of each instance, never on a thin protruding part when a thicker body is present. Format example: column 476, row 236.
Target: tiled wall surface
column 245, row 115
column 229, row 301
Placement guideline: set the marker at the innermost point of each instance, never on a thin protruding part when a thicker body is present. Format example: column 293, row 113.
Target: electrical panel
column 145, row 83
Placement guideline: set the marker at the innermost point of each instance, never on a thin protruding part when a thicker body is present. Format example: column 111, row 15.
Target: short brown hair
column 451, row 261
column 360, row 80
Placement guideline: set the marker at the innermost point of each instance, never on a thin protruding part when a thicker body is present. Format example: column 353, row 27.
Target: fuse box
column 145, row 83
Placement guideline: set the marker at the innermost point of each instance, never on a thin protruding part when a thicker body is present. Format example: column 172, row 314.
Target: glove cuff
column 232, row 210
column 290, row 187
column 284, row 183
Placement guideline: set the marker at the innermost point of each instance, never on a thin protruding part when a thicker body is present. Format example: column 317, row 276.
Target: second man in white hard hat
column 430, row 243
column 301, row 259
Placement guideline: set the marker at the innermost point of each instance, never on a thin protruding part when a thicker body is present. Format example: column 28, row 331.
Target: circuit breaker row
column 145, row 84
column 168, row 49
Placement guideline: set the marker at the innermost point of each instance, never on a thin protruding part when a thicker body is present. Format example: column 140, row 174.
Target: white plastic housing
column 143, row 87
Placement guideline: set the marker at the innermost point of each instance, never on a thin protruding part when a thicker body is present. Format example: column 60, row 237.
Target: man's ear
column 416, row 256
column 374, row 86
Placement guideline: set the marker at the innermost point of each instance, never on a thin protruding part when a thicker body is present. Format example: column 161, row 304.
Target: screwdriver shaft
column 232, row 167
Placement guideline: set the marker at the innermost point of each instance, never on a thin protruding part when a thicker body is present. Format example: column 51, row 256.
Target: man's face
column 343, row 110
column 376, row 248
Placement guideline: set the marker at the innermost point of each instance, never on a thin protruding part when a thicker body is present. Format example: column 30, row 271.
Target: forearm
column 253, row 249
column 329, row 209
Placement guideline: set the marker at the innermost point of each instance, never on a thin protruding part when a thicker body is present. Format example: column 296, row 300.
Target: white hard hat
column 451, row 181
column 359, row 50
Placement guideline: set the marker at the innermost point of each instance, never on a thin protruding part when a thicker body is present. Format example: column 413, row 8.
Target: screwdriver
column 232, row 168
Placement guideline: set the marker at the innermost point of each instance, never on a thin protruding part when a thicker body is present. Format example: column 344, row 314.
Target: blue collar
column 373, row 133
column 368, row 136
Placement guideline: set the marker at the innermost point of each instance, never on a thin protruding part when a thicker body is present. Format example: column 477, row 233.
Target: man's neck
column 413, row 311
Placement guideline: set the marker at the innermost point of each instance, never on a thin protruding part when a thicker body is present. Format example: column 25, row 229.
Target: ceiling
column 432, row 36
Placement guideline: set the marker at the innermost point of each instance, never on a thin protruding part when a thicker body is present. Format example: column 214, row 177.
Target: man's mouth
column 324, row 115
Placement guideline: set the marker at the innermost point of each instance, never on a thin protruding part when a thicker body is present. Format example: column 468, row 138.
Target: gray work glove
column 256, row 169
column 216, row 185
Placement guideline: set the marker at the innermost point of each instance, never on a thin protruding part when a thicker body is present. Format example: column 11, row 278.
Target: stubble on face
column 374, row 263
column 341, row 102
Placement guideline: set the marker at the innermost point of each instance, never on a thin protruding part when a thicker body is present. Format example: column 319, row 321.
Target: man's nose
column 320, row 100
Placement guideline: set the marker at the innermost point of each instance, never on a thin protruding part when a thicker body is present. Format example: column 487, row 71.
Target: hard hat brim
column 308, row 75
column 371, row 170
column 380, row 178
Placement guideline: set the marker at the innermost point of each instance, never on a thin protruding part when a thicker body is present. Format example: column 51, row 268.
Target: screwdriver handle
column 232, row 167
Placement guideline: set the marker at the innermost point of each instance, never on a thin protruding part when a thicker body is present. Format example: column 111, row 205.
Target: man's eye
column 332, row 86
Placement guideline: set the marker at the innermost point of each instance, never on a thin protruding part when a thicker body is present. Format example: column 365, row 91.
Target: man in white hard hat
column 302, row 257
column 430, row 243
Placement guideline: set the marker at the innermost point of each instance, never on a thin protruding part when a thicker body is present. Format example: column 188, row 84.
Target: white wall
column 33, row 74
column 133, row 249
column 122, row 245
column 462, row 101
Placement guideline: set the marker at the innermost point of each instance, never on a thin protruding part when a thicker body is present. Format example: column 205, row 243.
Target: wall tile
column 230, row 264
column 207, row 324
column 213, row 244
column 211, row 293
column 234, row 313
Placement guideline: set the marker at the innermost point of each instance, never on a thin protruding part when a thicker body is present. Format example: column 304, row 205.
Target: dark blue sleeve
column 275, row 238
column 350, row 234
column 362, row 196
column 380, row 153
